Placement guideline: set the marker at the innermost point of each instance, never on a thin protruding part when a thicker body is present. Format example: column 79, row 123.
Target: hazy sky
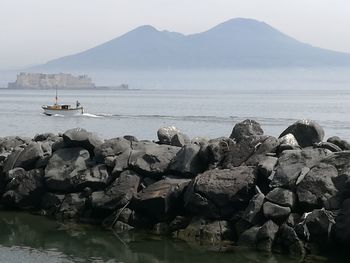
column 34, row 31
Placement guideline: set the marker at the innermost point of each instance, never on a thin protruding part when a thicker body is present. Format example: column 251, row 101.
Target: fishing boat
column 63, row 109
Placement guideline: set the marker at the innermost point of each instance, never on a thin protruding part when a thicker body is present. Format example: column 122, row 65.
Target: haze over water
column 200, row 103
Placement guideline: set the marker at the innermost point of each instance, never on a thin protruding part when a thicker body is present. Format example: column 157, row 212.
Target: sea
column 201, row 103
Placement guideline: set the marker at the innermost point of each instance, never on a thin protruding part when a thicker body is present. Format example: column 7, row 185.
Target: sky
column 36, row 31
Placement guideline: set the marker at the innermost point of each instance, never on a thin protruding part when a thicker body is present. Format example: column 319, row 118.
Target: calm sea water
column 200, row 103
column 35, row 239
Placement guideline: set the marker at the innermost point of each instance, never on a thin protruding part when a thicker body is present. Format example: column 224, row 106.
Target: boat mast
column 56, row 96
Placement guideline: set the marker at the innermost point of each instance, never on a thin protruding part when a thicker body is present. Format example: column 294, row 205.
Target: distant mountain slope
column 236, row 43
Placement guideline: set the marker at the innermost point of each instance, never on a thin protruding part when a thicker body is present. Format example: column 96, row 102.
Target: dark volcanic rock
column 329, row 146
column 267, row 146
column 240, row 152
column 118, row 194
column 217, row 149
column 161, row 199
column 149, row 158
column 306, row 132
column 252, row 213
column 25, row 189
column 188, row 161
column 283, row 197
column 340, row 160
column 246, row 128
column 266, row 236
column 249, row 237
column 289, row 241
column 275, row 212
column 342, row 225
column 344, row 145
column 51, row 202
column 172, row 136
column 291, row 163
column 317, row 189
column 317, row 226
column 81, row 138
column 120, row 148
column 220, row 193
column 29, row 156
column 267, row 165
column 68, row 170
column 9, row 143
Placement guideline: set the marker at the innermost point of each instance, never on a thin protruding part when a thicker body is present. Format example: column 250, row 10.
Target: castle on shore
column 51, row 81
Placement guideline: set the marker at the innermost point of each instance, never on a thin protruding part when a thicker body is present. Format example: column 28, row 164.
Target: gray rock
column 246, row 128
column 340, row 160
column 306, row 132
column 220, row 193
column 149, row 158
column 342, row 225
column 172, row 136
column 118, row 194
column 267, row 146
column 188, row 161
column 249, row 237
column 162, row 199
column 267, row 165
column 217, row 150
column 282, row 197
column 317, row 189
column 291, row 163
column 78, row 137
column 25, row 189
column 275, row 212
column 329, row 146
column 7, row 144
column 289, row 139
column 51, row 202
column 252, row 213
column 289, row 241
column 68, row 170
column 29, row 156
column 317, row 226
column 343, row 144
column 266, row 236
column 112, row 148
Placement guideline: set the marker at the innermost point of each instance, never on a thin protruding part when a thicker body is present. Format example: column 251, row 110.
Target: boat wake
column 90, row 115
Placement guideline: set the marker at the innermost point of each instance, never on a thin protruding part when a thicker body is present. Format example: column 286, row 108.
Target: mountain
column 235, row 43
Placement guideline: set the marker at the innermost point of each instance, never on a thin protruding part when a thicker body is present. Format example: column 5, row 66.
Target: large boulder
column 29, row 156
column 118, row 194
column 275, row 212
column 25, row 189
column 68, row 171
column 291, row 163
column 172, row 136
column 116, row 148
column 152, row 159
column 246, row 128
column 72, row 206
column 342, row 225
column 253, row 213
column 289, row 242
column 266, row 236
column 161, row 200
column 217, row 150
column 317, row 189
column 267, row 145
column 239, row 153
column 7, row 144
column 220, row 193
column 78, row 137
column 282, row 197
column 188, row 161
column 306, row 132
column 316, row 226
column 342, row 144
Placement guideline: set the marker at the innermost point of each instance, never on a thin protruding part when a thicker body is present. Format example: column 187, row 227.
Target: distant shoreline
column 95, row 88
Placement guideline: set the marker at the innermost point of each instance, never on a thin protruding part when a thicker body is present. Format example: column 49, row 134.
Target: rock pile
column 289, row 194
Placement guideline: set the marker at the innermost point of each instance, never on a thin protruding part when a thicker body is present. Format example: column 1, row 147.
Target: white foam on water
column 90, row 115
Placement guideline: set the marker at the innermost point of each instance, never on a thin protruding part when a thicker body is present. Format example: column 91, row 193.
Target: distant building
column 51, row 81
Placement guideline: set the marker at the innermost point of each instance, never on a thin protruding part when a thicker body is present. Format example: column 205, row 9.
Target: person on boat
column 77, row 104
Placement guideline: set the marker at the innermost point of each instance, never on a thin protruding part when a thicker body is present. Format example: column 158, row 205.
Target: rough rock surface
column 246, row 128
column 81, row 138
column 219, row 193
column 306, row 132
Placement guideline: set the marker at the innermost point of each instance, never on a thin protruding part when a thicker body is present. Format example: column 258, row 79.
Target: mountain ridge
column 236, row 43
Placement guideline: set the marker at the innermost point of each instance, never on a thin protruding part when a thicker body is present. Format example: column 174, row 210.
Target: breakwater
column 288, row 194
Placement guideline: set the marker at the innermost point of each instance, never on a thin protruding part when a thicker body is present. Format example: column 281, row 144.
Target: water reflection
column 29, row 238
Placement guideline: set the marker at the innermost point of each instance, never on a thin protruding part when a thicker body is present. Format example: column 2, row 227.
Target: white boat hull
column 65, row 112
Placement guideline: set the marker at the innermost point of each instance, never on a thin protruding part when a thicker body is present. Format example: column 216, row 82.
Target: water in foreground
column 36, row 239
